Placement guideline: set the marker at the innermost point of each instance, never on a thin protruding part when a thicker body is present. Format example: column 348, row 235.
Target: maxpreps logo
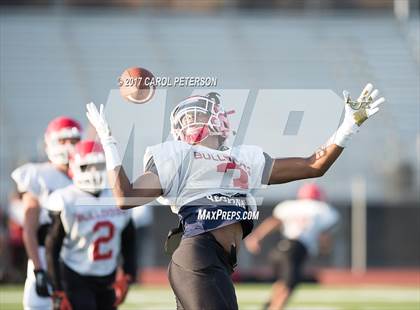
column 217, row 215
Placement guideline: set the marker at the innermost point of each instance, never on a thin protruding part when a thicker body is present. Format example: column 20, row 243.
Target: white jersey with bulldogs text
column 93, row 227
column 189, row 172
column 305, row 220
column 40, row 179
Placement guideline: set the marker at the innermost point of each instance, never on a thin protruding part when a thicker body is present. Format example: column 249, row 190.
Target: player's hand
column 43, row 285
column 60, row 301
column 253, row 245
column 357, row 112
column 121, row 286
column 98, row 121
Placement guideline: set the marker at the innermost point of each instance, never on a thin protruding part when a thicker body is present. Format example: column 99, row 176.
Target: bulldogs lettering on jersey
column 93, row 227
column 189, row 172
column 40, row 179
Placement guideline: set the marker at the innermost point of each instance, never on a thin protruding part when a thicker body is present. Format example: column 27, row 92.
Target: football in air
column 137, row 85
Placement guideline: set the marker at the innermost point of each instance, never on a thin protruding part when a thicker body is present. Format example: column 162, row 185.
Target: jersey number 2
column 109, row 228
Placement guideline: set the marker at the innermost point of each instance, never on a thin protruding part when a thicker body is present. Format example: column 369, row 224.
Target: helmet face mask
column 198, row 117
column 193, row 125
column 90, row 180
column 87, row 165
column 59, row 153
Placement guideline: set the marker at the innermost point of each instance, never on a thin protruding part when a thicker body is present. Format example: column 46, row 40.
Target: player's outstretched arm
column 356, row 113
column 252, row 242
column 292, row 169
column 145, row 189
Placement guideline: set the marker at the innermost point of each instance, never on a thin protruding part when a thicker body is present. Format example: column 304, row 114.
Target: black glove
column 42, row 283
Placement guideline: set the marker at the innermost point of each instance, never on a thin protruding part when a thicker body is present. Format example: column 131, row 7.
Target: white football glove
column 109, row 144
column 356, row 113
column 98, row 121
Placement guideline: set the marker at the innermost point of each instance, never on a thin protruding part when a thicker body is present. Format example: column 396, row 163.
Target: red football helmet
column 197, row 117
column 87, row 165
column 311, row 191
column 58, row 131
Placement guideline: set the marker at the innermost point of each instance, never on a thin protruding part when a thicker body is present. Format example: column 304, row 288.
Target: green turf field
column 307, row 297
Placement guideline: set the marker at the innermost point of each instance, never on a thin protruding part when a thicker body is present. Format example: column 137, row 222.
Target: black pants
column 288, row 258
column 199, row 274
column 88, row 292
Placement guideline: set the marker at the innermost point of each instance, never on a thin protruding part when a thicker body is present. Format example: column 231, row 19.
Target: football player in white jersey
column 87, row 236
column 36, row 181
column 306, row 224
column 199, row 176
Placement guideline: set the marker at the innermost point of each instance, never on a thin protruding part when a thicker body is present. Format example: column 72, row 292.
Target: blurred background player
column 88, row 234
column 36, row 181
column 305, row 224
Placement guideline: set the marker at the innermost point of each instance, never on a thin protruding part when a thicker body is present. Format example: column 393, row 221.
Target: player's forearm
column 266, row 228
column 30, row 234
column 129, row 195
column 31, row 246
column 119, row 182
column 53, row 244
column 299, row 168
column 324, row 158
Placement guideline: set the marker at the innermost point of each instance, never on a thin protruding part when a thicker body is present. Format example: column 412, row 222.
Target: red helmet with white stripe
column 87, row 165
column 198, row 117
column 61, row 135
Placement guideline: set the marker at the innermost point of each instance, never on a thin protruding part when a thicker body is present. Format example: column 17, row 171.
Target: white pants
column 31, row 300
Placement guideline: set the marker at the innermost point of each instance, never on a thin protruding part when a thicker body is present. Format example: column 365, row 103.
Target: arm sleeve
column 53, row 244
column 268, row 166
column 151, row 166
column 167, row 158
column 55, row 202
column 128, row 250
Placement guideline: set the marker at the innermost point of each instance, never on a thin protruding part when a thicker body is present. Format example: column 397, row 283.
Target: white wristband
column 112, row 157
column 343, row 135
